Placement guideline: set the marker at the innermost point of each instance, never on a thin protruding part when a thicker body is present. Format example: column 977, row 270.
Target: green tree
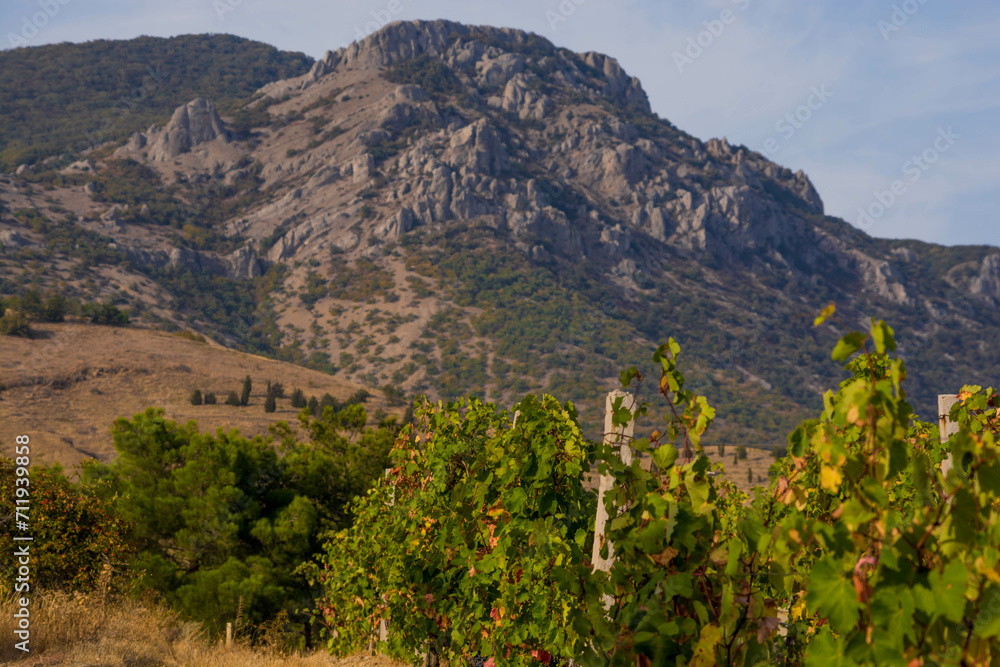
column 15, row 323
column 329, row 401
column 313, row 406
column 358, row 397
column 394, row 395
column 298, row 399
column 55, row 308
column 209, row 398
column 270, row 404
column 232, row 399
column 31, row 304
column 196, row 398
column 222, row 517
column 245, row 393
column 106, row 314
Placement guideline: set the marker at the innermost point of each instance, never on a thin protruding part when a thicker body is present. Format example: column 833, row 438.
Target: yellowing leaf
column 830, row 478
column 704, row 653
column 798, row 609
column 985, row 569
column 825, row 314
column 852, row 414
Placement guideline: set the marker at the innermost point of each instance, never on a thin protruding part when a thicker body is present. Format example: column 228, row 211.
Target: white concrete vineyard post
column 229, row 634
column 383, row 624
column 620, row 437
column 947, row 428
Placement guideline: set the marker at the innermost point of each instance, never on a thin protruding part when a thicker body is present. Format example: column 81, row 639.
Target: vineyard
column 479, row 544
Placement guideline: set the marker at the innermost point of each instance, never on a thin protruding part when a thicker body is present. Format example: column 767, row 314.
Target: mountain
column 454, row 209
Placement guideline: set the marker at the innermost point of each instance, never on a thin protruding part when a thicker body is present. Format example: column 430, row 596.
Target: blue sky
column 866, row 97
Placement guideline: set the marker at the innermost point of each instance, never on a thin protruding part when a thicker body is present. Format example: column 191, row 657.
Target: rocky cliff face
column 349, row 187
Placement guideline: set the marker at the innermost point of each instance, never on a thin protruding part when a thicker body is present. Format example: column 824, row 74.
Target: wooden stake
column 229, row 634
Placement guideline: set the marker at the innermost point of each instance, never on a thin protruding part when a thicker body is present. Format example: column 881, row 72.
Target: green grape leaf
column 665, row 455
column 824, row 651
column 832, row 595
column 883, row 336
column 898, row 458
column 848, row 345
column 988, row 622
column 949, row 590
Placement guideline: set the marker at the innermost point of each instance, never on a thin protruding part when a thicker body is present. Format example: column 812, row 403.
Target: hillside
column 63, row 99
column 67, row 385
column 454, row 209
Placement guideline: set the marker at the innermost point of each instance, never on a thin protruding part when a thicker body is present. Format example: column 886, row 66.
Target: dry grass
column 66, row 386
column 94, row 631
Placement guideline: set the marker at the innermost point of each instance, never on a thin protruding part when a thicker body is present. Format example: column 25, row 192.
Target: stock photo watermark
column 565, row 9
column 899, row 17
column 714, row 28
column 795, row 120
column 31, row 25
column 913, row 169
column 223, row 7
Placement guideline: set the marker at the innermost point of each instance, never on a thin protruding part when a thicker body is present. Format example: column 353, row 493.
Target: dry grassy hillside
column 65, row 387
column 757, row 461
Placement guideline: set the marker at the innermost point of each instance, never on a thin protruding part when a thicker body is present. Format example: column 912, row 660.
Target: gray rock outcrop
column 192, row 124
column 987, row 282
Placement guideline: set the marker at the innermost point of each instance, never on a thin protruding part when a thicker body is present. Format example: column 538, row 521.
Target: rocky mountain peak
column 487, row 56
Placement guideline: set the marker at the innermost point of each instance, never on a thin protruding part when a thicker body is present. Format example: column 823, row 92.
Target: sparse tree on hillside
column 270, row 404
column 358, row 397
column 15, row 323
column 196, row 398
column 232, row 399
column 209, row 398
column 106, row 313
column 330, row 401
column 245, row 394
column 299, row 399
column 31, row 304
column 313, row 406
column 55, row 308
column 394, row 395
